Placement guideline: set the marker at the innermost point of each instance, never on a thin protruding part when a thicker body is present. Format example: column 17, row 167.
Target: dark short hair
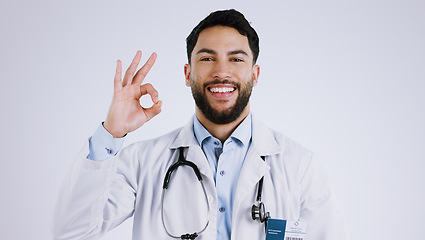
column 228, row 18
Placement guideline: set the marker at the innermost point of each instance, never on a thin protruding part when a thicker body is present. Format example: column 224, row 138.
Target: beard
column 221, row 116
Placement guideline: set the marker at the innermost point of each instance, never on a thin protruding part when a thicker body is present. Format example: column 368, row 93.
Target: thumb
column 153, row 111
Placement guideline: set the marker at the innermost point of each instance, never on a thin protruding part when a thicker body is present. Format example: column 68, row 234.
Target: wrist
column 114, row 133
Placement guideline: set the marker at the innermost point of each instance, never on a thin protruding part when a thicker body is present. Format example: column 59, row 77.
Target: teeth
column 222, row 90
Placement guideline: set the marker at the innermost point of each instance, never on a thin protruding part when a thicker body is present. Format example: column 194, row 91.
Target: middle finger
column 128, row 77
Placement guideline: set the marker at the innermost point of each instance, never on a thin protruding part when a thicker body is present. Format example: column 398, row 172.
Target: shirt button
column 222, row 173
column 221, row 209
column 109, row 151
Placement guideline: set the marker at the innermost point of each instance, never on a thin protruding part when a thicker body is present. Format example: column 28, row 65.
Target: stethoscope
column 258, row 211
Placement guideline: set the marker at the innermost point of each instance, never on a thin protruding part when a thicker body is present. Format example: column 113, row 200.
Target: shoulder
column 293, row 159
column 149, row 149
column 284, row 152
column 162, row 142
column 289, row 145
column 269, row 142
column 148, row 155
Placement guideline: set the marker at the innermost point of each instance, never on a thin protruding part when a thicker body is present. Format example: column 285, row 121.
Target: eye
column 236, row 60
column 206, row 59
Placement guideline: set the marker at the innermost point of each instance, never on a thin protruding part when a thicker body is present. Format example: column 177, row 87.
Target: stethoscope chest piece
column 259, row 212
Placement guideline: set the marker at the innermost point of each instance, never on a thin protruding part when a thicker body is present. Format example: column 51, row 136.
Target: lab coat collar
column 186, row 139
column 263, row 144
column 263, row 139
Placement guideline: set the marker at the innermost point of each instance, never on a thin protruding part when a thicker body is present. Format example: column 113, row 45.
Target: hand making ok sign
column 125, row 113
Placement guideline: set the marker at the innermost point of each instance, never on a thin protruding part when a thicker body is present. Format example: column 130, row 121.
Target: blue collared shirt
column 225, row 160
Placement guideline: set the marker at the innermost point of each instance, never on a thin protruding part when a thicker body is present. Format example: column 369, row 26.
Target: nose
column 222, row 70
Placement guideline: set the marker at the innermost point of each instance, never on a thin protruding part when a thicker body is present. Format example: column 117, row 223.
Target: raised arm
column 94, row 197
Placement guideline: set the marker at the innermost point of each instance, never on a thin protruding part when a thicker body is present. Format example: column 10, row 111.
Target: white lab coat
column 98, row 196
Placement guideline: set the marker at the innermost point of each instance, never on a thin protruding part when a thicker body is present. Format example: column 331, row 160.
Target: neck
column 221, row 131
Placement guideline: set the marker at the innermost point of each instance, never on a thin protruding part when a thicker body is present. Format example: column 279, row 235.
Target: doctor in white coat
column 102, row 191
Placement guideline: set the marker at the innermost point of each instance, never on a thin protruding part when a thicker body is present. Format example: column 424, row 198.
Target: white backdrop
column 345, row 79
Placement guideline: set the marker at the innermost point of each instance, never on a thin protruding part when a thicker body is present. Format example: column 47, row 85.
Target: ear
column 255, row 74
column 187, row 74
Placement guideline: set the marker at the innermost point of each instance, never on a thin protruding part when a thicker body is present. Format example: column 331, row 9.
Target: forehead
column 222, row 39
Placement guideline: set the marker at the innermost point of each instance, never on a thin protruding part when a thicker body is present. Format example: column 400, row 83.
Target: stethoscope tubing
column 258, row 211
column 180, row 162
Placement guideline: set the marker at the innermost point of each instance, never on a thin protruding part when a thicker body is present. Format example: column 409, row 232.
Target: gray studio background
column 345, row 79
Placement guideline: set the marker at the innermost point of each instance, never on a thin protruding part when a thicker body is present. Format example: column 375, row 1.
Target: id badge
column 278, row 229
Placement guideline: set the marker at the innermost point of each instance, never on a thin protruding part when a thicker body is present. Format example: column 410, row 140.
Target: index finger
column 141, row 74
column 118, row 74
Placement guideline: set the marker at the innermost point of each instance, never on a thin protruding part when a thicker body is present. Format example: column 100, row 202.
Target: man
column 243, row 166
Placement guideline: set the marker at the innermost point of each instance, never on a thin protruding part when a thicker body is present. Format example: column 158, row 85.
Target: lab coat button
column 221, row 209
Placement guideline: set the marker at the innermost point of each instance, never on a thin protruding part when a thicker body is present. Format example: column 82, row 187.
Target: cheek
column 245, row 76
column 201, row 72
column 196, row 78
column 193, row 82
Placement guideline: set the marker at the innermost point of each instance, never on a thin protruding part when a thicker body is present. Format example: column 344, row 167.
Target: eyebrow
column 236, row 52
column 206, row 50
column 210, row 51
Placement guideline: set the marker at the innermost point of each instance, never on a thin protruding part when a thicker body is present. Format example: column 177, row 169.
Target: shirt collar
column 200, row 132
column 243, row 132
column 263, row 139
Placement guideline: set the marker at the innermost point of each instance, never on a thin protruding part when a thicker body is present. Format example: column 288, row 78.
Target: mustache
column 223, row 81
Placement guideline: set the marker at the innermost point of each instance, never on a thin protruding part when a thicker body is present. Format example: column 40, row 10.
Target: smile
column 221, row 89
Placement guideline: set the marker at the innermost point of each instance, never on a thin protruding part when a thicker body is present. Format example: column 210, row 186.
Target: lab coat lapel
column 186, row 138
column 253, row 169
column 263, row 144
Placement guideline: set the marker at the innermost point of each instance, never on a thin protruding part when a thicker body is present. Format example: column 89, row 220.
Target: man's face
column 221, row 74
